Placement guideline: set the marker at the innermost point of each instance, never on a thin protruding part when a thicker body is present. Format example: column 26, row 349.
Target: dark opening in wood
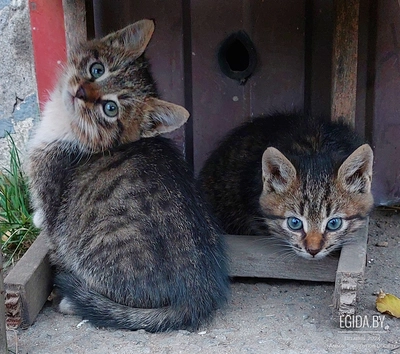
column 237, row 57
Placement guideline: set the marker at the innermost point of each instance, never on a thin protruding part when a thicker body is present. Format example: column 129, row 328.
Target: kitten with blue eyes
column 132, row 244
column 301, row 180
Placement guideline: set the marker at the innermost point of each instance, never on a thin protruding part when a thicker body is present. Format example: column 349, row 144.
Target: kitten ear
column 355, row 173
column 277, row 171
column 134, row 37
column 161, row 117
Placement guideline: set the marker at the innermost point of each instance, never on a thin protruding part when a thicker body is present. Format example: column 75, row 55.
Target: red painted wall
column 49, row 43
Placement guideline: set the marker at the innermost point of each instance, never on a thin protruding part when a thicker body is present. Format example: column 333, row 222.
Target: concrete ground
column 266, row 316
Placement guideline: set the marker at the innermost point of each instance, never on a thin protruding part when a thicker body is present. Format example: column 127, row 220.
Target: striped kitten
column 303, row 181
column 132, row 244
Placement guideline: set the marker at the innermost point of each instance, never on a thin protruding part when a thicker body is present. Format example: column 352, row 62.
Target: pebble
column 382, row 244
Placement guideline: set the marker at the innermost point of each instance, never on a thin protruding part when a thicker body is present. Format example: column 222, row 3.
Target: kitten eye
column 97, row 70
column 334, row 224
column 110, row 108
column 294, row 223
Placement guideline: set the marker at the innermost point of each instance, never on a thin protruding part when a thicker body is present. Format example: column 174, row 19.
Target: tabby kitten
column 303, row 181
column 132, row 244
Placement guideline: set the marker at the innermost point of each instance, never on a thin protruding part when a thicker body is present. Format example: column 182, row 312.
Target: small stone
column 382, row 244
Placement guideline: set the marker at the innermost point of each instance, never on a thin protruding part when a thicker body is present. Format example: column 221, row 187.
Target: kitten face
column 316, row 212
column 109, row 95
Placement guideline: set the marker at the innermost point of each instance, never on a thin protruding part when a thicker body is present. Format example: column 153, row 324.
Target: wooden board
column 344, row 60
column 253, row 256
column 350, row 274
column 75, row 22
column 384, row 93
column 220, row 103
column 28, row 285
column 3, row 334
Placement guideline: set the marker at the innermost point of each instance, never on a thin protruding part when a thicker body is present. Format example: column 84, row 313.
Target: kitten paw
column 38, row 218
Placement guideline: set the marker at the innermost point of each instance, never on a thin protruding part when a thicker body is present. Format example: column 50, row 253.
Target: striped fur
column 291, row 165
column 132, row 243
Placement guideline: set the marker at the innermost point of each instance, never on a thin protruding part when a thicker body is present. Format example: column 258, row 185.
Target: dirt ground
column 268, row 316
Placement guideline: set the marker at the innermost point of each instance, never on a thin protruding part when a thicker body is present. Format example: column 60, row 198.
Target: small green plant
column 17, row 231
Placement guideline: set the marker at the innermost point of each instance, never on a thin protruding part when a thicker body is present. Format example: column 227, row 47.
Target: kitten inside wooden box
column 301, row 181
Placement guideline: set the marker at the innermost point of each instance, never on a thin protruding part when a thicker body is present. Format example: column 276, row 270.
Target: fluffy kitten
column 132, row 244
column 304, row 181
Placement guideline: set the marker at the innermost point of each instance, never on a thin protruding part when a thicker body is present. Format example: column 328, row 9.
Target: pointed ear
column 355, row 173
column 277, row 171
column 161, row 117
column 134, row 37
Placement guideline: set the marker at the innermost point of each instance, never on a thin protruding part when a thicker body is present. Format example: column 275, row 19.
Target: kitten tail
column 103, row 312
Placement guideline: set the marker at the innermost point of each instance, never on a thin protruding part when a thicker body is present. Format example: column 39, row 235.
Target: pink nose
column 313, row 251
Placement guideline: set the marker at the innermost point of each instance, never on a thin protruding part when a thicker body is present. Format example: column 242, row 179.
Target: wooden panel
column 278, row 30
column 75, row 22
column 28, row 285
column 220, row 103
column 254, row 256
column 344, row 67
column 165, row 50
column 3, row 334
column 319, row 58
column 350, row 273
column 386, row 115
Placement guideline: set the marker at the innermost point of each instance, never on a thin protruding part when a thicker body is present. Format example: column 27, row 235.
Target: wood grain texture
column 254, row 256
column 75, row 22
column 29, row 284
column 3, row 335
column 344, row 60
column 350, row 273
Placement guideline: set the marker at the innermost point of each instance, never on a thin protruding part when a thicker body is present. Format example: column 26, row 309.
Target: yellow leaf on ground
column 388, row 303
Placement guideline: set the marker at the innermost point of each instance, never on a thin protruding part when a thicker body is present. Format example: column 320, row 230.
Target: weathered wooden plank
column 28, row 285
column 3, row 334
column 350, row 273
column 255, row 256
column 344, row 60
column 75, row 22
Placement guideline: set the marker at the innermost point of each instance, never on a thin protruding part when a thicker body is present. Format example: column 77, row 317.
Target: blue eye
column 97, row 70
column 110, row 108
column 294, row 223
column 334, row 224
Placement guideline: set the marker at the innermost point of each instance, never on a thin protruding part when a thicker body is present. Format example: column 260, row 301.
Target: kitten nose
column 81, row 93
column 313, row 251
column 88, row 92
column 313, row 242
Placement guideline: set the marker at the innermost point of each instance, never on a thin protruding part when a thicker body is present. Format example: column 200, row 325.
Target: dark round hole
column 237, row 56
